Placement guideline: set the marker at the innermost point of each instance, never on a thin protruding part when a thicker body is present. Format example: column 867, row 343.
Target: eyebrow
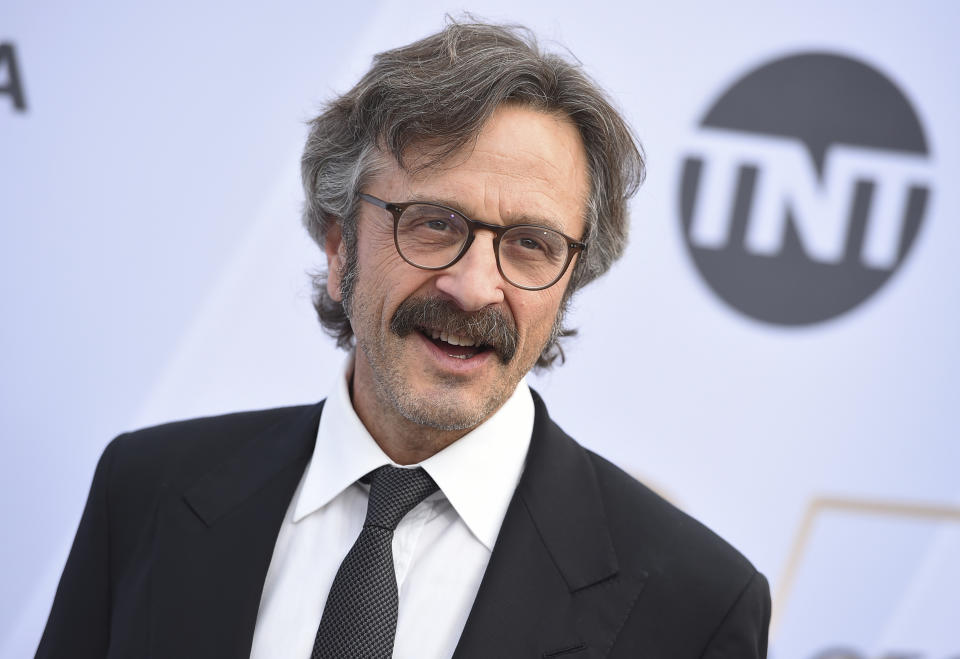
column 538, row 221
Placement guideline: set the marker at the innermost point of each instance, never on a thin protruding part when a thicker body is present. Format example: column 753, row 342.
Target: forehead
column 523, row 166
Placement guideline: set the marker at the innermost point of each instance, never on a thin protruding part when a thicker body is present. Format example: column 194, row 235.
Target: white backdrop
column 152, row 267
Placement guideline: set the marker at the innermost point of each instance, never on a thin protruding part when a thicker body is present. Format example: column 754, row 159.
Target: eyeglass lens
column 432, row 237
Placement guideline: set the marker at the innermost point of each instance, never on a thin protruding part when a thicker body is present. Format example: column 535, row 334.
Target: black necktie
column 360, row 617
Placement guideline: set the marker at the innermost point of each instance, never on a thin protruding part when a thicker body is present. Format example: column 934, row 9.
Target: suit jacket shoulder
column 176, row 537
column 705, row 592
column 182, row 450
column 138, row 463
column 591, row 563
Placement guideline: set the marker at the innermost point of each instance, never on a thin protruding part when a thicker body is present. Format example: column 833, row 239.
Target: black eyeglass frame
column 573, row 246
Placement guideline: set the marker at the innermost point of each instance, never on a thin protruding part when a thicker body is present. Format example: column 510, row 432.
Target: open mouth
column 459, row 334
column 456, row 346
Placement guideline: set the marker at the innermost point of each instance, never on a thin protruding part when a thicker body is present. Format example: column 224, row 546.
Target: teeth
column 452, row 339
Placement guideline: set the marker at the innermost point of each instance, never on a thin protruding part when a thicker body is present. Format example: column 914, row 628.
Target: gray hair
column 439, row 92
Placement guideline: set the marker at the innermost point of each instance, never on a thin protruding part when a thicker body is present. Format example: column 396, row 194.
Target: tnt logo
column 804, row 189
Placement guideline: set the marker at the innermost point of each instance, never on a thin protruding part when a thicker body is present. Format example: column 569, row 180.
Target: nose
column 474, row 281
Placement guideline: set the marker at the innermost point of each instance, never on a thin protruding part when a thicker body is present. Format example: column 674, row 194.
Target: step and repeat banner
column 777, row 353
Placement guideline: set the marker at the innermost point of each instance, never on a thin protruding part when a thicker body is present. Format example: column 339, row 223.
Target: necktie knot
column 394, row 492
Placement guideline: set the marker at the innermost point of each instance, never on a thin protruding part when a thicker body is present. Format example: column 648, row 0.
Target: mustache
column 487, row 327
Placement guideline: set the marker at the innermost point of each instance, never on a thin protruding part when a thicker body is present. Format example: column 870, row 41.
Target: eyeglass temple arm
column 373, row 200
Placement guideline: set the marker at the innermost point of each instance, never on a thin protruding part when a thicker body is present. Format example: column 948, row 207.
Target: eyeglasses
column 434, row 237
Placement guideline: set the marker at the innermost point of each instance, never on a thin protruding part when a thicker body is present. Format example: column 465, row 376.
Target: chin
column 445, row 411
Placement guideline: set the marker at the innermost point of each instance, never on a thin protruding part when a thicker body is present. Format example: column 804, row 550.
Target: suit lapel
column 553, row 586
column 215, row 540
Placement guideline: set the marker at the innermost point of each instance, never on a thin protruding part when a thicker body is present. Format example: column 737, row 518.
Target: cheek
column 535, row 313
column 386, row 279
column 375, row 245
column 378, row 260
column 381, row 245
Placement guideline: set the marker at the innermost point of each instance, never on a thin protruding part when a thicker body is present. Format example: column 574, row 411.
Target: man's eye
column 530, row 243
column 437, row 225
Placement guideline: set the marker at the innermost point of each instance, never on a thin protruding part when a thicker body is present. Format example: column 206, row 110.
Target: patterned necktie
column 360, row 617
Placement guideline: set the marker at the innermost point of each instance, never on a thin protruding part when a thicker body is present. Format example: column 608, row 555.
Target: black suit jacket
column 174, row 544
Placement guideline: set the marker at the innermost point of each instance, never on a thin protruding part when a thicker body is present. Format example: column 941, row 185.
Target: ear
column 336, row 260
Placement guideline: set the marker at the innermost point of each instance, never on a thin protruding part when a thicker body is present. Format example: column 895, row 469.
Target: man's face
column 524, row 167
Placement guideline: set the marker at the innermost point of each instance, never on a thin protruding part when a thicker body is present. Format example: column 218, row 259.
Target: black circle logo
column 804, row 188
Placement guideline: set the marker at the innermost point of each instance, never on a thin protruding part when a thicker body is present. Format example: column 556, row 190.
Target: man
column 462, row 191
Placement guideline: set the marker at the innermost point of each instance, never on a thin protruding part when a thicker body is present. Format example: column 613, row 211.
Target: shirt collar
column 478, row 473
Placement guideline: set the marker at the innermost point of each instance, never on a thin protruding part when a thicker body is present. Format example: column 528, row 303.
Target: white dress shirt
column 440, row 549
